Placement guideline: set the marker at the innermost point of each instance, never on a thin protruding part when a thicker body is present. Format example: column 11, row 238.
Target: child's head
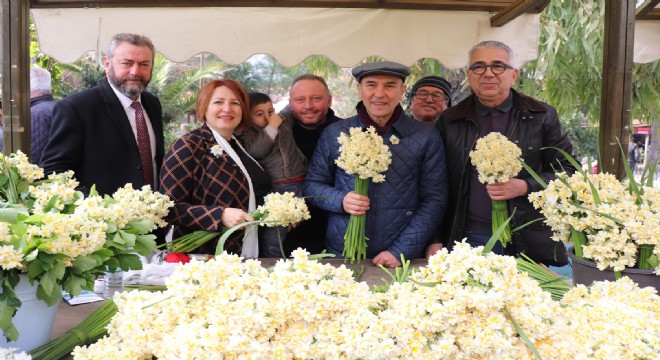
column 261, row 108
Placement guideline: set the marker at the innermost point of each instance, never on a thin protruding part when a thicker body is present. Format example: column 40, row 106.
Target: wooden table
column 69, row 316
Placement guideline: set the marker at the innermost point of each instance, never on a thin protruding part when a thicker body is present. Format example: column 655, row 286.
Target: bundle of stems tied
column 90, row 330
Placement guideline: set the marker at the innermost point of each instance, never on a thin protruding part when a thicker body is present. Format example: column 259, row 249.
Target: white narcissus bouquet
column 363, row 154
column 61, row 239
column 610, row 222
column 282, row 210
column 497, row 161
column 462, row 305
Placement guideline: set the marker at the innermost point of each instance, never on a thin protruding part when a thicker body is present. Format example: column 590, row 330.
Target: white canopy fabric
column 346, row 36
column 647, row 41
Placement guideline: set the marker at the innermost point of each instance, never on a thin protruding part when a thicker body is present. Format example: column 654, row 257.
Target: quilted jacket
column 405, row 209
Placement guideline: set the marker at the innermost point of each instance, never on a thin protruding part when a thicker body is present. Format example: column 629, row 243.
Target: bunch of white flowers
column 62, row 239
column 496, row 158
column 142, row 203
column 26, row 170
column 283, row 209
column 461, row 306
column 615, row 221
column 362, row 153
column 57, row 192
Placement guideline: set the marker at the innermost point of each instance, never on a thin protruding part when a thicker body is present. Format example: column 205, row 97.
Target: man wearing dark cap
column 429, row 97
column 402, row 212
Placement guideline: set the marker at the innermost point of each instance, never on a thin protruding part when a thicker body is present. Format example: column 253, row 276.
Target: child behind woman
column 270, row 141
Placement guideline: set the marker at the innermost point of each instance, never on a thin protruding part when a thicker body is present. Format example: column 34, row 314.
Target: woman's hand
column 232, row 217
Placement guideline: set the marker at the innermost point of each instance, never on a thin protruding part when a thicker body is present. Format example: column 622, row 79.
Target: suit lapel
column 117, row 113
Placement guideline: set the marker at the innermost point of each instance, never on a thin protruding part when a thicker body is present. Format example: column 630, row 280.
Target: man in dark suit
column 111, row 134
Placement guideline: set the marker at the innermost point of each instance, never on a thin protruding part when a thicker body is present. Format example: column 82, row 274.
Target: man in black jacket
column 111, row 134
column 532, row 125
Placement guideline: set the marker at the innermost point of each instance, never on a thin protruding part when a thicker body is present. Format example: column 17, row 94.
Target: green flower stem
column 191, row 241
column 579, row 240
column 499, row 215
column 355, row 240
column 645, row 252
column 12, row 192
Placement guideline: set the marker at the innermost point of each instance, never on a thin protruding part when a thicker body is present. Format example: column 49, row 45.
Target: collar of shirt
column 504, row 107
column 368, row 121
column 123, row 99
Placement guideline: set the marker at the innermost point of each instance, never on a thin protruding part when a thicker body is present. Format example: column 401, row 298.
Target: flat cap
column 381, row 68
column 435, row 81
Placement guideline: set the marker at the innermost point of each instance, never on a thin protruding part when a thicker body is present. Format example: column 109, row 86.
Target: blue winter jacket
column 405, row 209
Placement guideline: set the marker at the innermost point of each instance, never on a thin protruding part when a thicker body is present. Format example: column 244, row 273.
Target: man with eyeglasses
column 533, row 125
column 429, row 97
column 402, row 212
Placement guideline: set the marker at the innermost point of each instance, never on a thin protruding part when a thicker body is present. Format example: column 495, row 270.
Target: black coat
column 536, row 129
column 91, row 135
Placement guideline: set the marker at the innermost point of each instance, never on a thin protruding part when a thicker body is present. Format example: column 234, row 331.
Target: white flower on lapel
column 217, row 151
column 394, row 139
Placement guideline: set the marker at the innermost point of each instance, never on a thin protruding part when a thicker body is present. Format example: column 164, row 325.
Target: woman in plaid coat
column 208, row 174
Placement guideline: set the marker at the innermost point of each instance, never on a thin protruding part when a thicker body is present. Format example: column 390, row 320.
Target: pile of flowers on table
column 463, row 305
column 607, row 220
column 62, row 239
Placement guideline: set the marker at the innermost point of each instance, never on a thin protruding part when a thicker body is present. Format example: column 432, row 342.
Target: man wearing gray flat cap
column 429, row 97
column 402, row 212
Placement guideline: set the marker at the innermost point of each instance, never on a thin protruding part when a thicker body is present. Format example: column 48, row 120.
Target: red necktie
column 144, row 145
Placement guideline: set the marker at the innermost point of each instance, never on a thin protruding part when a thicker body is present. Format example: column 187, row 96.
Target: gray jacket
column 281, row 158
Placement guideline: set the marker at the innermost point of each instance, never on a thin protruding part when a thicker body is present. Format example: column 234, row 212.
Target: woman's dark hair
column 257, row 98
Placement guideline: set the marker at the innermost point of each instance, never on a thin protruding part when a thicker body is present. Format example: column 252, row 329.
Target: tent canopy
column 346, row 36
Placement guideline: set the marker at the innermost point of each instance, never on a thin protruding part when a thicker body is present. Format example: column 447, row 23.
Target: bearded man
column 111, row 134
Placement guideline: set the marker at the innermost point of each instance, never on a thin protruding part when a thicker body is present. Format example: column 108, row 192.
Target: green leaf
column 76, row 283
column 522, row 334
column 50, row 296
column 129, row 239
column 86, row 263
column 142, row 226
column 221, row 242
column 496, row 235
column 112, row 227
column 6, row 316
column 130, row 262
column 533, row 173
column 145, row 244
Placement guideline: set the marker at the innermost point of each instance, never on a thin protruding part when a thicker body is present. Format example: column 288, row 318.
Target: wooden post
column 617, row 84
column 15, row 75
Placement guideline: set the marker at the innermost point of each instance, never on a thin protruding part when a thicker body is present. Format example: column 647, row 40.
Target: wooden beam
column 649, row 10
column 617, row 84
column 15, row 79
column 518, row 8
column 454, row 5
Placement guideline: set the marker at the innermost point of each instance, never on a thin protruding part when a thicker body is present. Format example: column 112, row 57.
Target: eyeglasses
column 496, row 68
column 423, row 95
